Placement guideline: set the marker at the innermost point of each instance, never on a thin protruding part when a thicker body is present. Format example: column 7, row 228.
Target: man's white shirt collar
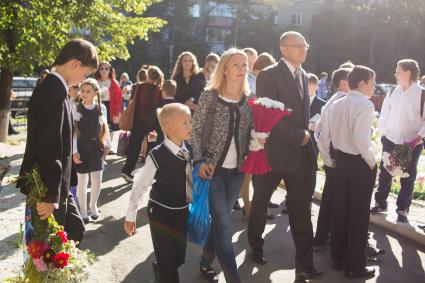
column 292, row 68
column 173, row 147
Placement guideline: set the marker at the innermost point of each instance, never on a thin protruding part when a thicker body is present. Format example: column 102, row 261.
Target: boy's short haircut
column 167, row 112
column 169, row 87
column 250, row 51
column 78, row 49
column 324, row 75
column 347, row 64
column 212, row 57
column 312, row 78
column 358, row 74
column 340, row 75
column 412, row 66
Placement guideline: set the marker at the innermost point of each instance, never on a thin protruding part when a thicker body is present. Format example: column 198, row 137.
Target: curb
column 381, row 220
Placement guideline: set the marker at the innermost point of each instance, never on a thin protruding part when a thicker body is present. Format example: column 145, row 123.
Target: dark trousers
column 298, row 186
column 169, row 236
column 350, row 215
column 407, row 184
column 69, row 217
column 325, row 212
column 139, row 131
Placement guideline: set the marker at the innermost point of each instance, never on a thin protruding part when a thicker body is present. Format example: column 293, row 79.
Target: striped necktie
column 188, row 170
column 297, row 75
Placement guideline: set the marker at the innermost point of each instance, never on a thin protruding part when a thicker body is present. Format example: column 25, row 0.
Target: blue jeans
column 385, row 179
column 224, row 190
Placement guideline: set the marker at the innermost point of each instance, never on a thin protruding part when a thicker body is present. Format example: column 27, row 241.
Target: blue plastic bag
column 199, row 220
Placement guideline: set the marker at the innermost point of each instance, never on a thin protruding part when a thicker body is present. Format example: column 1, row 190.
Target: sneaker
column 372, row 252
column 272, row 205
column 209, row 274
column 127, row 178
column 402, row 215
column 86, row 221
column 378, row 209
column 237, row 206
column 94, row 217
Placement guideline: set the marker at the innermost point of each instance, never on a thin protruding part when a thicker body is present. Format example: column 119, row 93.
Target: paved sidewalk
column 128, row 259
column 388, row 220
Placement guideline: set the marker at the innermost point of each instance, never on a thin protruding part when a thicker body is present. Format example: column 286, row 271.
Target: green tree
column 33, row 31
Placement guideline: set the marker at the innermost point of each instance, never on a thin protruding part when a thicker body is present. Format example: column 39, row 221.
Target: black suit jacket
column 283, row 147
column 49, row 139
column 316, row 108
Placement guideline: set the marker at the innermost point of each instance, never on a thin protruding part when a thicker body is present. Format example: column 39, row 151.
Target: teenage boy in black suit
column 49, row 136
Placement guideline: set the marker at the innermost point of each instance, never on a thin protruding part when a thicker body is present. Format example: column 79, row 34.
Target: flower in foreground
column 37, row 248
column 62, row 234
column 39, row 264
column 60, row 260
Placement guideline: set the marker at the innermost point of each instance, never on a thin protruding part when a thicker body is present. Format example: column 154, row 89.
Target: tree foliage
column 33, row 31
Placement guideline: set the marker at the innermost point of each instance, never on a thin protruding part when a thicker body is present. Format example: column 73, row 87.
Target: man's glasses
column 299, row 46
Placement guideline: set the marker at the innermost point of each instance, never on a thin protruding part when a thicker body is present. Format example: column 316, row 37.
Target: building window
column 226, row 10
column 296, row 19
column 218, row 35
column 195, row 11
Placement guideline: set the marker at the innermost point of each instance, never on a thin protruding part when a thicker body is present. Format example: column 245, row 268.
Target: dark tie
column 297, row 74
column 188, row 170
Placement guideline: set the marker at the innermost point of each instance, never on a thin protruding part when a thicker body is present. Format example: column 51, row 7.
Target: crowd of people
column 201, row 117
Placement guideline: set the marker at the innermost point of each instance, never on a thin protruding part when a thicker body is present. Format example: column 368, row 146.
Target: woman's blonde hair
column 178, row 68
column 218, row 78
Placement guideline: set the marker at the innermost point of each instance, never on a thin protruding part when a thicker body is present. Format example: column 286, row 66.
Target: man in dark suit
column 49, row 137
column 290, row 153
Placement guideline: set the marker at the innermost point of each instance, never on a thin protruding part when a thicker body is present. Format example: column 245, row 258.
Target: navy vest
column 169, row 187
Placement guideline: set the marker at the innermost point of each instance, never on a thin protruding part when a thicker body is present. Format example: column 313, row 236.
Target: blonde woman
column 224, row 117
column 190, row 81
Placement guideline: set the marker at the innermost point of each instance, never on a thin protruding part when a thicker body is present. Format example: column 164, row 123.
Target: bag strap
column 209, row 121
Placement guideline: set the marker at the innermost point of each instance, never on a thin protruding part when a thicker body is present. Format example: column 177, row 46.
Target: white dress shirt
column 252, row 80
column 400, row 120
column 144, row 179
column 348, row 126
column 104, row 89
column 231, row 159
column 324, row 112
column 292, row 69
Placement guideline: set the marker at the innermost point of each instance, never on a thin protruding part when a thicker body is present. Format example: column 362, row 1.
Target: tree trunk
column 6, row 78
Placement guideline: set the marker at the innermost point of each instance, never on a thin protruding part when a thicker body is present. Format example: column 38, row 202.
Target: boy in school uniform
column 49, row 137
column 168, row 170
column 321, row 239
column 348, row 124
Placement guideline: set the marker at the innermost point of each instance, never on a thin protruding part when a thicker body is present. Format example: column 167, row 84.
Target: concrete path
column 128, row 259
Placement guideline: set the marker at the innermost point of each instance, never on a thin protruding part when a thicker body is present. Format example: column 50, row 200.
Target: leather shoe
column 365, row 272
column 259, row 257
column 310, row 274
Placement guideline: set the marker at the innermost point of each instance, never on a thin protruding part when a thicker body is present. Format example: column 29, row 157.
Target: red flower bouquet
column 267, row 113
column 50, row 256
